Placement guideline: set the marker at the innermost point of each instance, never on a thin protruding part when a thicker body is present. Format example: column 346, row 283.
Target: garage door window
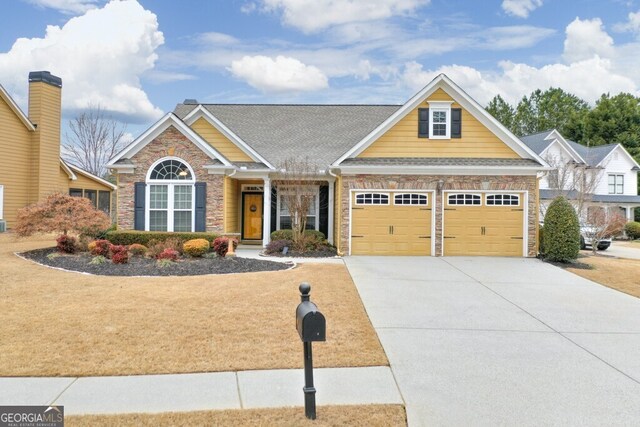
column 503, row 200
column 410, row 199
column 464, row 199
column 372, row 199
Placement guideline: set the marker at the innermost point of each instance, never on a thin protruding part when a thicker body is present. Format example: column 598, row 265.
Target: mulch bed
column 325, row 252
column 140, row 266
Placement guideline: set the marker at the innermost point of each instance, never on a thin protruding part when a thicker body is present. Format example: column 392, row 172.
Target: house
column 30, row 145
column 435, row 176
column 604, row 175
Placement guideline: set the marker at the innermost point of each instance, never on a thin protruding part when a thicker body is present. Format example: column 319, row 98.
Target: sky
column 137, row 59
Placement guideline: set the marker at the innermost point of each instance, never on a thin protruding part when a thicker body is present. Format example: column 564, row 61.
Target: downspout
column 337, row 195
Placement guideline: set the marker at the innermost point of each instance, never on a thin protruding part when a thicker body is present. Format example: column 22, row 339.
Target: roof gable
column 465, row 101
column 619, row 148
column 4, row 95
column 555, row 136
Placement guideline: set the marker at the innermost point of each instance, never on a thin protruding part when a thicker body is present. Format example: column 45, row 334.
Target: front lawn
column 617, row 273
column 57, row 323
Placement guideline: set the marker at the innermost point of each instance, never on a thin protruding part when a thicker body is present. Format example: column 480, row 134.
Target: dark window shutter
column 201, row 206
column 274, row 209
column 456, row 123
column 423, row 123
column 323, row 220
column 139, row 205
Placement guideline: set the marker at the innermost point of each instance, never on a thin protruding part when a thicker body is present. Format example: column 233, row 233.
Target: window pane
column 284, row 210
column 612, row 179
column 93, row 196
column 171, row 169
column 158, row 197
column 104, row 201
column 285, row 222
column 182, row 221
column 182, row 197
column 75, row 192
column 158, row 221
column 311, row 223
column 312, row 206
column 612, row 188
column 439, row 117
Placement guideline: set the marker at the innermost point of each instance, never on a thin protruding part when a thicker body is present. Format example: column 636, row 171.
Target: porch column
column 331, row 208
column 266, row 212
column 629, row 210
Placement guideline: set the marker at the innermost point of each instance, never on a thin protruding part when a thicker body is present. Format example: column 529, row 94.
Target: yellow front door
column 252, row 216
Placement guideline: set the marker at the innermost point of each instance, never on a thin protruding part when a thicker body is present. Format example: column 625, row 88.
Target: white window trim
column 282, row 190
column 487, row 195
column 616, row 176
column 170, row 183
column 440, row 106
column 372, row 204
column 1, row 201
column 411, row 204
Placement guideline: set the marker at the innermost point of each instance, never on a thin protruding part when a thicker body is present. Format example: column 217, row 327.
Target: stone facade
column 430, row 182
column 171, row 143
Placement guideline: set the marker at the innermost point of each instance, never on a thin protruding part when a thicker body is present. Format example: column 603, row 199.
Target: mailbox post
column 311, row 326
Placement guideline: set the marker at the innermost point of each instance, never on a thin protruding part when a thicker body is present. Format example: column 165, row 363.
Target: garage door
column 391, row 223
column 483, row 224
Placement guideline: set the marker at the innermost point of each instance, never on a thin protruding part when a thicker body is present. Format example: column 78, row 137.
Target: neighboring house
column 30, row 148
column 600, row 176
column 435, row 176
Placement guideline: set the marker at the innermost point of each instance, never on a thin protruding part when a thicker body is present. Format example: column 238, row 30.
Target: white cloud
column 520, row 8
column 282, row 74
column 70, row 7
column 632, row 24
column 100, row 57
column 586, row 38
column 215, row 38
column 312, row 16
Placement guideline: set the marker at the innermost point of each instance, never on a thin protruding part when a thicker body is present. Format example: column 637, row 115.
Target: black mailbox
column 310, row 322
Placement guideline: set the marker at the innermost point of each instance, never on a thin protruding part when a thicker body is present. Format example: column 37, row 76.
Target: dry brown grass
column 56, row 323
column 617, row 273
column 363, row 415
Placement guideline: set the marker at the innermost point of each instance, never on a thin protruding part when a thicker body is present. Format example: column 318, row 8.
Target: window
column 93, row 196
column 440, row 120
column 170, row 197
column 616, row 184
column 75, row 192
column 104, row 201
column 503, row 200
column 285, row 221
column 372, row 199
column 410, row 199
column 464, row 199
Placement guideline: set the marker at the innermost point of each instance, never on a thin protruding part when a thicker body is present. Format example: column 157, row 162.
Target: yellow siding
column 220, row 142
column 87, row 183
column 44, row 111
column 64, row 183
column 231, row 215
column 15, row 142
column 402, row 139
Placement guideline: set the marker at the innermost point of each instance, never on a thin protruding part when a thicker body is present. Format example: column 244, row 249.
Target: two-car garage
column 404, row 223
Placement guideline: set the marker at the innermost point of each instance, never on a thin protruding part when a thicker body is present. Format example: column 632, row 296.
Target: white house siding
column 555, row 154
column 620, row 166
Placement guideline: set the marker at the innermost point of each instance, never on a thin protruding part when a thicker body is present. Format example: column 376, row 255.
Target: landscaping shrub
column 97, row 260
column 221, row 245
column 632, row 229
column 137, row 249
column 196, row 247
column 541, row 241
column 561, row 231
column 98, row 234
column 119, row 254
column 129, row 237
column 66, row 244
column 277, row 246
column 100, row 247
column 288, row 235
column 168, row 254
column 163, row 263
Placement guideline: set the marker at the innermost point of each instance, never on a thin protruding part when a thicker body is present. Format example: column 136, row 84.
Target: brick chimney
column 45, row 104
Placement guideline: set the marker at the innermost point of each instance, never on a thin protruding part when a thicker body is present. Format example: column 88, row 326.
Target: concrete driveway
column 623, row 250
column 503, row 341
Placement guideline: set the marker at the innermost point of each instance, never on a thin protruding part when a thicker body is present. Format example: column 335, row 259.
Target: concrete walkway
column 503, row 341
column 249, row 251
column 196, row 392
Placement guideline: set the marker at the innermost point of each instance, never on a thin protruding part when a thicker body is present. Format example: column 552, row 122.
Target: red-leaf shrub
column 66, row 244
column 170, row 254
column 100, row 247
column 276, row 246
column 119, row 254
column 221, row 245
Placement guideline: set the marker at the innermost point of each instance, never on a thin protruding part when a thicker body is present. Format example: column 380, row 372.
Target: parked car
column 586, row 238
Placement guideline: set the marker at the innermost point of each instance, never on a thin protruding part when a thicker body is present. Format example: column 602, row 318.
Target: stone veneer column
column 266, row 212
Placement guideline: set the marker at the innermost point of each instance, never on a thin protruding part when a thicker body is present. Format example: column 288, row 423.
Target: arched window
column 171, row 196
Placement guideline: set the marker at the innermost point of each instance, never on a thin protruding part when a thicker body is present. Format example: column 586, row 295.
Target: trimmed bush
column 168, row 254
column 288, row 235
column 541, row 241
column 137, row 249
column 276, row 246
column 221, row 245
column 561, row 232
column 196, row 247
column 97, row 260
column 99, row 247
column 66, row 244
column 632, row 229
column 129, row 237
column 119, row 254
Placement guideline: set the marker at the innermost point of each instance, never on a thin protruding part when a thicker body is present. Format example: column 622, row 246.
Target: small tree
column 603, row 223
column 561, row 231
column 297, row 190
column 60, row 213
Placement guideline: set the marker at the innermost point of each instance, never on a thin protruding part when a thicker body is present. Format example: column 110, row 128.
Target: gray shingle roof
column 322, row 133
column 437, row 161
column 546, row 194
column 537, row 141
column 592, row 155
